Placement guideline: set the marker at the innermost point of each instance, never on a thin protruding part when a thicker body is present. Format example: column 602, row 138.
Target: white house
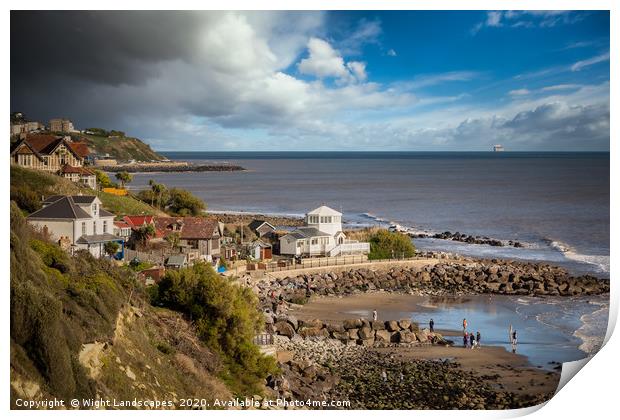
column 76, row 222
column 322, row 236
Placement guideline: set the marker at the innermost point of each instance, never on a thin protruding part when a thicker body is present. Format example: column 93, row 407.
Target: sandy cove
column 498, row 367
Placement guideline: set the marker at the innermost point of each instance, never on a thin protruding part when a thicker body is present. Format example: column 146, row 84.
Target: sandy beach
column 499, row 367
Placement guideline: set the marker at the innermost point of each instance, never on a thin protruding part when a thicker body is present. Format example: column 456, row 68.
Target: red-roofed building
column 79, row 174
column 196, row 234
column 122, row 229
column 48, row 152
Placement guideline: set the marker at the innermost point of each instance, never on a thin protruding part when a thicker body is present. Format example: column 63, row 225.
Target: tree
column 158, row 190
column 124, row 177
column 143, row 233
column 184, row 203
column 385, row 245
column 173, row 239
column 103, row 180
column 111, row 248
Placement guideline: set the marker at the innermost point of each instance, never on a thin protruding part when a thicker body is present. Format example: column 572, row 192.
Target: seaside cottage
column 197, row 235
column 260, row 250
column 47, row 152
column 322, row 235
column 76, row 222
column 261, row 228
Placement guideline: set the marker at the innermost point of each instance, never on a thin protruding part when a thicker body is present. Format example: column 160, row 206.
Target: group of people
column 470, row 340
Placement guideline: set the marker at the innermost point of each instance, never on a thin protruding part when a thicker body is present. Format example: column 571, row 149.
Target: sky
column 332, row 80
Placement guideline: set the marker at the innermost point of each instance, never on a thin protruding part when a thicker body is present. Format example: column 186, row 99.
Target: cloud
column 528, row 19
column 322, row 61
column 579, row 65
column 366, row 32
column 358, row 69
column 391, row 52
column 567, row 86
column 439, row 78
column 519, row 92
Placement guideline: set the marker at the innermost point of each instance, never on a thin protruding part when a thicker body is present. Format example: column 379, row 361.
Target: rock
column 382, row 336
column 377, row 325
column 405, row 337
column 335, row 327
column 366, row 333
column 349, row 324
column 317, row 323
column 422, row 336
column 306, row 332
column 404, row 324
column 366, row 342
column 353, row 335
column 284, row 328
column 391, row 326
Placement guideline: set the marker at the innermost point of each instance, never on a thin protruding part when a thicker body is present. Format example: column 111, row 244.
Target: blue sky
column 389, row 80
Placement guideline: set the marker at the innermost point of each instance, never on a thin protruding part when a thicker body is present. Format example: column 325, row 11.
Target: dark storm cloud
column 101, row 47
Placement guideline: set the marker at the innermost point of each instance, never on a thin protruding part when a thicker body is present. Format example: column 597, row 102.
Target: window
column 315, row 241
column 83, row 228
column 313, row 219
column 94, row 228
column 94, row 209
column 105, row 226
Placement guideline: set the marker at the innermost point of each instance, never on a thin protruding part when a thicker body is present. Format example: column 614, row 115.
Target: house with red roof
column 48, row 152
column 196, row 235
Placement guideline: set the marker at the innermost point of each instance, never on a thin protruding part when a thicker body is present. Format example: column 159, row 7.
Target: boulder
column 392, row 326
column 342, row 336
column 284, row 328
column 353, row 333
column 334, row 327
column 366, row 333
column 377, row 325
column 422, row 336
column 313, row 332
column 317, row 323
column 382, row 336
column 366, row 342
column 404, row 324
column 405, row 337
column 349, row 324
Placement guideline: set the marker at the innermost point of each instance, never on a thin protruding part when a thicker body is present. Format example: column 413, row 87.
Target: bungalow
column 122, row 229
column 322, row 235
column 79, row 175
column 76, row 222
column 195, row 234
column 261, row 228
column 260, row 250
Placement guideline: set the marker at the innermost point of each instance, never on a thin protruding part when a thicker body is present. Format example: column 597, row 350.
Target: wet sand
column 499, row 367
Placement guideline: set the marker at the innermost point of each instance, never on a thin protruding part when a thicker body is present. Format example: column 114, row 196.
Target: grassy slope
column 59, row 303
column 123, row 148
column 44, row 184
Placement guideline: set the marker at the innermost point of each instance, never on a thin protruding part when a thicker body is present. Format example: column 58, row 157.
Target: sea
column 554, row 203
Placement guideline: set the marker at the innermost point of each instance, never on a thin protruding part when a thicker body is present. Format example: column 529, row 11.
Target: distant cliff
column 120, row 147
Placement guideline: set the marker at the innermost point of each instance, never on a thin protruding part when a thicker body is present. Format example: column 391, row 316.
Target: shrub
column 226, row 319
column 184, row 203
column 385, row 244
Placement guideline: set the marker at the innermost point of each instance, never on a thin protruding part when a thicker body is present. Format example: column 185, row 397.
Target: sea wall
column 442, row 278
column 362, row 332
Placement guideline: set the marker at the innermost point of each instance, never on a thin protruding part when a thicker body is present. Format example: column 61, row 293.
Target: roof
column 68, row 169
column 97, row 239
column 45, row 144
column 105, row 213
column 306, row 232
column 137, row 221
column 83, row 199
column 177, row 259
column 255, row 224
column 189, row 227
column 261, row 244
column 325, row 211
column 121, row 224
column 63, row 208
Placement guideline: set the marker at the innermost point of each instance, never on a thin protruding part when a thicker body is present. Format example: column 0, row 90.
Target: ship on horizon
column 498, row 148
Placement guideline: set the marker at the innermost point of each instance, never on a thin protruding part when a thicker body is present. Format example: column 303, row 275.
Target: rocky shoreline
column 461, row 277
column 328, row 370
column 469, row 239
column 138, row 168
column 246, row 218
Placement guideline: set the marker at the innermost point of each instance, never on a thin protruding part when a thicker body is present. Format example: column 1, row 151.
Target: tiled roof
column 83, row 199
column 306, row 232
column 44, row 144
column 105, row 213
column 189, row 227
column 63, row 208
column 121, row 224
column 138, row 221
column 81, row 149
column 68, row 169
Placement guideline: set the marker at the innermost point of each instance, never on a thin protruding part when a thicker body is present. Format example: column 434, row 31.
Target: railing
column 265, row 339
column 333, row 262
column 350, row 247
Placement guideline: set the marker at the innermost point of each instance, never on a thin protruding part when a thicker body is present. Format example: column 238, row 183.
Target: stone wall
column 355, row 331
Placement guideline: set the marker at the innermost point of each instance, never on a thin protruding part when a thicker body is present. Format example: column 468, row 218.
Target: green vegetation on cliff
column 118, row 146
column 29, row 186
column 84, row 328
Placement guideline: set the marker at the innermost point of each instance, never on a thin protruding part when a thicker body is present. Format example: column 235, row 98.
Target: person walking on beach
column 478, row 338
column 431, row 325
column 465, row 339
column 472, row 341
column 464, row 324
column 374, row 315
column 514, row 341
